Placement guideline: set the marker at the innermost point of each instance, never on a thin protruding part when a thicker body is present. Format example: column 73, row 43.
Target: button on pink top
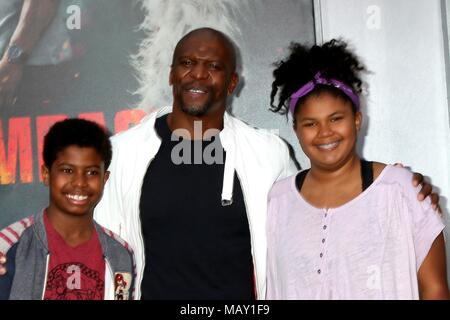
column 369, row 248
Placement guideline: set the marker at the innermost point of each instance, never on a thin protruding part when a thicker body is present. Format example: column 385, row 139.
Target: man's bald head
column 203, row 73
column 212, row 34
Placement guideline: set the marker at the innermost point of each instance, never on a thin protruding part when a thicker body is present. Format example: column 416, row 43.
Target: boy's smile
column 77, row 199
column 76, row 180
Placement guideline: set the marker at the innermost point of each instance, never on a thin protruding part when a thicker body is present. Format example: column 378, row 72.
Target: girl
column 346, row 228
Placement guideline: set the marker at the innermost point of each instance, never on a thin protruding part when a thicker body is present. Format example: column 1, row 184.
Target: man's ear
column 233, row 83
column 45, row 172
column 170, row 77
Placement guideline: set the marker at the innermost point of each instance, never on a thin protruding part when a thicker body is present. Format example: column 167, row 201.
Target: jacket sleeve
column 289, row 167
column 6, row 280
column 108, row 212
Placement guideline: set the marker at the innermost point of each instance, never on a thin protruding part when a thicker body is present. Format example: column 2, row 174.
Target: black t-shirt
column 195, row 248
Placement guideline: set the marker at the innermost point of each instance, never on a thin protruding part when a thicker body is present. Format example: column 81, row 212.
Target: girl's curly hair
column 332, row 59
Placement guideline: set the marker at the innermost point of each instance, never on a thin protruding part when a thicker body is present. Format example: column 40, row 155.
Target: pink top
column 369, row 248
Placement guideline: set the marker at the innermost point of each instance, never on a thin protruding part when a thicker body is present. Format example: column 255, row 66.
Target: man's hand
column 2, row 264
column 427, row 190
column 10, row 76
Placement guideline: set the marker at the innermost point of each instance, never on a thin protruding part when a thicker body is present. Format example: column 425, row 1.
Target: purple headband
column 318, row 79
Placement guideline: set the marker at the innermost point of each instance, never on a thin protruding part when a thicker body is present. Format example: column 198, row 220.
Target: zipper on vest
column 112, row 280
column 46, row 275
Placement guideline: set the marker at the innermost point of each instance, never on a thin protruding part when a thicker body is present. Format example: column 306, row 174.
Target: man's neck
column 195, row 127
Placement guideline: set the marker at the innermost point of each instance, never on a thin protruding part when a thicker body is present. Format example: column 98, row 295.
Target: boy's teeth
column 196, row 91
column 77, row 197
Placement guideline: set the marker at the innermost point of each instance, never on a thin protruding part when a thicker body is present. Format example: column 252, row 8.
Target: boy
column 62, row 253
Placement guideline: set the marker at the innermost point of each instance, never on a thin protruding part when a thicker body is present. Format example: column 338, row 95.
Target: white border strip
column 317, row 7
column 445, row 11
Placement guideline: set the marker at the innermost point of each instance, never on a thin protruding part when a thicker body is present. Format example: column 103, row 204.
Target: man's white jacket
column 259, row 158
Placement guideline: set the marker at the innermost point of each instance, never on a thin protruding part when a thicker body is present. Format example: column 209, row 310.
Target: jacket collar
column 228, row 121
column 41, row 233
column 39, row 229
column 227, row 138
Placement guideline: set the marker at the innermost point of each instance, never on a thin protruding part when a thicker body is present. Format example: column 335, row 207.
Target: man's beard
column 196, row 111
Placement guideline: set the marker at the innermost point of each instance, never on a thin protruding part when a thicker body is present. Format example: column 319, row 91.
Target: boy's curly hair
column 76, row 132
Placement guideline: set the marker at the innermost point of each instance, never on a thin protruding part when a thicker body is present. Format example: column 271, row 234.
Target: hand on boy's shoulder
column 2, row 264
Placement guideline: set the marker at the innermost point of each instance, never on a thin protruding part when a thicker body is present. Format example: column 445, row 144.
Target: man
column 197, row 226
column 201, row 223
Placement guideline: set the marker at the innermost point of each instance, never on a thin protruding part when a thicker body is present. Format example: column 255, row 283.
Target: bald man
column 189, row 185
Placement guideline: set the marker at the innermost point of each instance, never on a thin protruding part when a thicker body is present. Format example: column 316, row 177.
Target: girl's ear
column 358, row 120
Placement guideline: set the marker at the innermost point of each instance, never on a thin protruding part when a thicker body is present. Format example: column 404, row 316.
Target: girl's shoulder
column 378, row 167
column 395, row 176
column 392, row 173
column 282, row 187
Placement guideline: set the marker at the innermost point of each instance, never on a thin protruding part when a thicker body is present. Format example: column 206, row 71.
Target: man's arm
column 34, row 20
column 432, row 275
